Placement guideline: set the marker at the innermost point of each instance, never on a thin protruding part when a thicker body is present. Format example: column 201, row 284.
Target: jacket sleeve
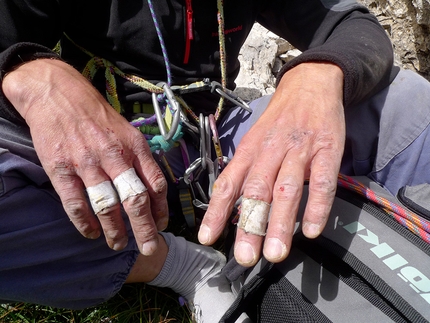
column 337, row 31
column 28, row 30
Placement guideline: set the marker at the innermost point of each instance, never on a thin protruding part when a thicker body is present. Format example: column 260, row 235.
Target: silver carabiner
column 160, row 119
column 229, row 95
column 191, row 169
column 203, row 141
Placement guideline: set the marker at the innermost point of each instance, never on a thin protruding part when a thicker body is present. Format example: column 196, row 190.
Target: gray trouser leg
column 388, row 135
column 44, row 259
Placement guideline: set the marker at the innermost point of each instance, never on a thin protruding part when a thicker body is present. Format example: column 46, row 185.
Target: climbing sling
column 173, row 117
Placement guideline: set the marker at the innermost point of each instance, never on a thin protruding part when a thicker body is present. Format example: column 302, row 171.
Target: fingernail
column 149, row 247
column 311, row 230
column 119, row 245
column 94, row 235
column 274, row 249
column 244, row 253
column 204, row 234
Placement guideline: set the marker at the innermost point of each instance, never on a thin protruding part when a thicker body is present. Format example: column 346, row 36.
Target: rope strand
column 162, row 44
column 410, row 220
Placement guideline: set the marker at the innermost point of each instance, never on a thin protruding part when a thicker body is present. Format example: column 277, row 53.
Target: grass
column 135, row 303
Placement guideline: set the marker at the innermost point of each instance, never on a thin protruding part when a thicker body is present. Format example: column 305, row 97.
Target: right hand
column 82, row 141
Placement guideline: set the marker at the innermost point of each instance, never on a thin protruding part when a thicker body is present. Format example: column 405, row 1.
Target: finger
column 70, row 189
column 225, row 192
column 286, row 198
column 133, row 171
column 135, row 199
column 101, row 193
column 105, row 203
column 252, row 227
column 322, row 190
column 152, row 176
column 255, row 208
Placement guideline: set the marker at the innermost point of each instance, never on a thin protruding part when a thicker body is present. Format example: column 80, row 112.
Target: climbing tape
column 154, row 127
column 408, row 219
column 148, row 125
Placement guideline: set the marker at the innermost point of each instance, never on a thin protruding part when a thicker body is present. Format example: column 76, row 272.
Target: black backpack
column 367, row 266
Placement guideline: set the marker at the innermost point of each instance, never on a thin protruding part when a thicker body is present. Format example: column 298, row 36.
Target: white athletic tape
column 253, row 216
column 128, row 184
column 102, row 196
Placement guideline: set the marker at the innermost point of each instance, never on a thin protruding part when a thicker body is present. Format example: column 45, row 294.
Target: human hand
column 300, row 135
column 82, row 142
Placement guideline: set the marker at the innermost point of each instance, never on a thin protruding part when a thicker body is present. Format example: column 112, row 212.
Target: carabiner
column 216, row 141
column 195, row 165
column 229, row 95
column 171, row 100
column 203, row 141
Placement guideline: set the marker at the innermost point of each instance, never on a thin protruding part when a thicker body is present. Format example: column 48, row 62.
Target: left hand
column 300, row 135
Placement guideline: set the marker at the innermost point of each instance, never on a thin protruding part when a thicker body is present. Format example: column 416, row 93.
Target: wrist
column 28, row 82
column 323, row 77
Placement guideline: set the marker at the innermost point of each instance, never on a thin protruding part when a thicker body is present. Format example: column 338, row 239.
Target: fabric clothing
column 92, row 273
column 44, row 258
column 383, row 140
column 194, row 272
column 341, row 32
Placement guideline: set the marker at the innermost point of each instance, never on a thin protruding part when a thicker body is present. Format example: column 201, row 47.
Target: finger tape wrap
column 128, row 184
column 253, row 216
column 102, row 196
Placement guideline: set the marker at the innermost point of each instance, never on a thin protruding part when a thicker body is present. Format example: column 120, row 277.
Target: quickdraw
column 165, row 128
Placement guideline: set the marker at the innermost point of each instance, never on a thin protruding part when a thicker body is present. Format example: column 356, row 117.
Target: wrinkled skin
column 300, row 135
column 81, row 141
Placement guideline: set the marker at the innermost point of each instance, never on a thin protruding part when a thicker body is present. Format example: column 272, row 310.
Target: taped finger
column 128, row 184
column 102, row 196
column 254, row 215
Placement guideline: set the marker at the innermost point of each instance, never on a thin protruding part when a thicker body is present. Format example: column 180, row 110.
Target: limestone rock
column 261, row 58
column 407, row 23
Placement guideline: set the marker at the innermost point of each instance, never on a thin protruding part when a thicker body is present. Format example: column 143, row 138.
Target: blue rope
column 163, row 46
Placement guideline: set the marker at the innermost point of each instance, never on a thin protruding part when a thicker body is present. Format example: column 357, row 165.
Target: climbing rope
column 408, row 219
column 149, row 126
column 165, row 128
column 222, row 54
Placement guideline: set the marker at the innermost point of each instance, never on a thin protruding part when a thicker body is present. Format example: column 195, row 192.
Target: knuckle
column 61, row 167
column 88, row 159
column 243, row 152
column 223, row 186
column 257, row 188
column 159, row 185
column 136, row 204
column 112, row 150
column 146, row 230
column 298, row 137
column 322, row 184
column 76, row 208
column 288, row 189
